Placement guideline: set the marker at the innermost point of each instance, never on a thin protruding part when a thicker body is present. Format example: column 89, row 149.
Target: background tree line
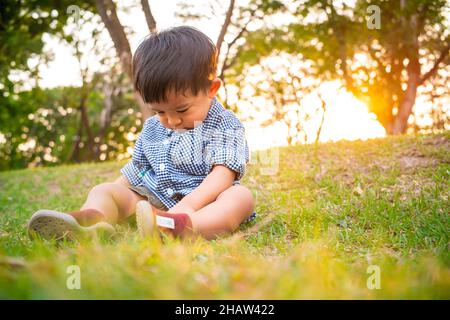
column 319, row 40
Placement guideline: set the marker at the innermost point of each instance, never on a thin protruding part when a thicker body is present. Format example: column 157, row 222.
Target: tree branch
column 225, row 25
column 435, row 68
column 107, row 11
column 340, row 34
column 227, row 64
column 151, row 22
column 324, row 110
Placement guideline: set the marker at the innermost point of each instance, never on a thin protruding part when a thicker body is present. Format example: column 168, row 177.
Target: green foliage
column 42, row 126
column 28, row 115
column 22, row 25
column 28, row 120
column 374, row 64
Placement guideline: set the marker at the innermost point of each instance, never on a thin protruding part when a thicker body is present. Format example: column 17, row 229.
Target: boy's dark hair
column 181, row 58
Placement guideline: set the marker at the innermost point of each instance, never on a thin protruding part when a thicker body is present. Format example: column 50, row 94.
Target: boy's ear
column 215, row 86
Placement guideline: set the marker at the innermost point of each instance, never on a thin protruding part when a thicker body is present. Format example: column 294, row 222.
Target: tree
column 107, row 11
column 22, row 25
column 86, row 45
column 93, row 122
column 284, row 85
column 383, row 67
column 237, row 21
column 101, row 102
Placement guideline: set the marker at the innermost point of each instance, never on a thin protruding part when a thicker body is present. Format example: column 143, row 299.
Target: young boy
column 184, row 175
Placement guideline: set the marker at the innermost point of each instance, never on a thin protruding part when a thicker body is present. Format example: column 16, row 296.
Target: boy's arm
column 218, row 180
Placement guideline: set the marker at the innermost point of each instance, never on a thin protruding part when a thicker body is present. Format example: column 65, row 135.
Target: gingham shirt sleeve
column 138, row 165
column 228, row 147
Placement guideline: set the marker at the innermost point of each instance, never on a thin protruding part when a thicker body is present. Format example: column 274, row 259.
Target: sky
column 346, row 118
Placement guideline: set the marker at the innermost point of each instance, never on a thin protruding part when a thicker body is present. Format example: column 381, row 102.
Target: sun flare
column 346, row 118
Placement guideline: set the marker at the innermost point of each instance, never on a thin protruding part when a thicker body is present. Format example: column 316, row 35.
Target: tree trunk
column 75, row 153
column 87, row 127
column 408, row 99
column 225, row 25
column 107, row 11
column 400, row 123
column 151, row 23
column 324, row 110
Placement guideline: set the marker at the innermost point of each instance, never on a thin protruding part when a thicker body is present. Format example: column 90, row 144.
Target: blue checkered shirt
column 171, row 164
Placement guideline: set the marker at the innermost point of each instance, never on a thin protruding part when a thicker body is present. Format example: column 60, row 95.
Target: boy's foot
column 145, row 219
column 51, row 224
column 150, row 219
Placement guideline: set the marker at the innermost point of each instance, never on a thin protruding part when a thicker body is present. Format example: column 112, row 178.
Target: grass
column 328, row 213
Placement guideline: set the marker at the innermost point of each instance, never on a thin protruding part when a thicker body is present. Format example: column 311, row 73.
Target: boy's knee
column 106, row 187
column 245, row 196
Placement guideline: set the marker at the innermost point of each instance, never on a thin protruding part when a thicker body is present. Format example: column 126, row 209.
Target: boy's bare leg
column 115, row 200
column 225, row 214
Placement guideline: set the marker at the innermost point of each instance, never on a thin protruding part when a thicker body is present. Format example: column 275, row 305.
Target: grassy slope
column 327, row 214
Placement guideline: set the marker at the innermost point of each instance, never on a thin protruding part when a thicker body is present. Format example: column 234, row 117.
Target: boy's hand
column 181, row 207
column 218, row 180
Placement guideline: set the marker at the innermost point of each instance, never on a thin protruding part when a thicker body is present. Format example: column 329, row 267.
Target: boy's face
column 185, row 111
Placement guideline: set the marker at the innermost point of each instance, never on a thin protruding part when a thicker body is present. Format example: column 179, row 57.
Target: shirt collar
column 215, row 109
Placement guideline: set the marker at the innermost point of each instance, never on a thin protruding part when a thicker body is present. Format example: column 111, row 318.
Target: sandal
column 50, row 224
